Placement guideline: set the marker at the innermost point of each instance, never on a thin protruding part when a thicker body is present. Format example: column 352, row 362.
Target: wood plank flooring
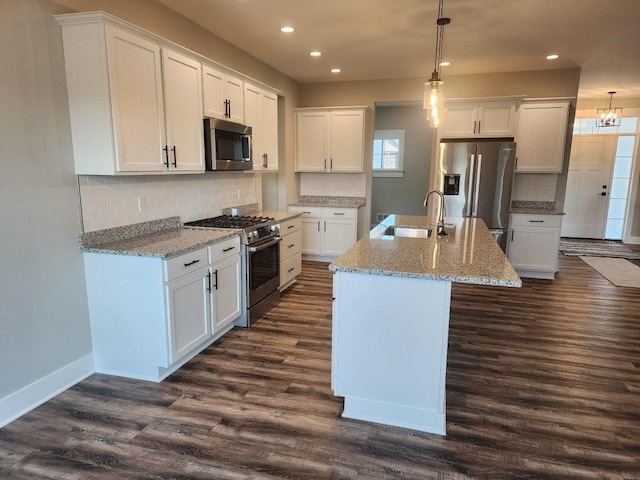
column 543, row 382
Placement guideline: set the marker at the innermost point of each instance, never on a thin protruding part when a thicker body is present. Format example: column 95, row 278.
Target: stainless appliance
column 476, row 180
column 227, row 145
column 260, row 237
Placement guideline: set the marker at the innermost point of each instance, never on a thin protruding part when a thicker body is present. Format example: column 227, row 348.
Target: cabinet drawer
column 307, row 211
column 525, row 220
column 290, row 245
column 186, row 263
column 329, row 213
column 290, row 268
column 289, row 226
column 225, row 248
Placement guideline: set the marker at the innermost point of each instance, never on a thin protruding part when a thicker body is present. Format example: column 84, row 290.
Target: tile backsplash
column 109, row 202
column 333, row 184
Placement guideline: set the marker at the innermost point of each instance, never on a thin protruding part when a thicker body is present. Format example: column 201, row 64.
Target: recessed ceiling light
column 335, row 70
column 315, row 53
column 553, row 57
column 445, row 64
column 287, row 29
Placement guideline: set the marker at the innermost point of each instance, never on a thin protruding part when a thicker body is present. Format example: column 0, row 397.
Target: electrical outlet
column 142, row 204
column 237, row 193
column 549, row 190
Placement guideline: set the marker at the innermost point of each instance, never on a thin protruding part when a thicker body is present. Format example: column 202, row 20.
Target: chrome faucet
column 440, row 228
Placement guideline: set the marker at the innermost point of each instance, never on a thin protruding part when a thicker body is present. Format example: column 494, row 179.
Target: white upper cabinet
column 330, row 140
column 134, row 106
column 541, row 137
column 261, row 114
column 487, row 118
column 223, row 95
column 183, row 109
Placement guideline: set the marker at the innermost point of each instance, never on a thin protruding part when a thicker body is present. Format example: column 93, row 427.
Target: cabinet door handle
column 209, row 282
column 215, row 274
column 166, row 155
column 228, row 249
column 291, row 246
column 331, row 164
column 191, row 263
column 265, row 160
column 175, row 156
column 325, row 163
column 478, row 126
column 318, row 225
column 512, row 235
column 325, row 225
column 291, row 226
column 291, row 269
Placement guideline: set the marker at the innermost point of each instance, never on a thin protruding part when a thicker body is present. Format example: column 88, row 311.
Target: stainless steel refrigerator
column 476, row 180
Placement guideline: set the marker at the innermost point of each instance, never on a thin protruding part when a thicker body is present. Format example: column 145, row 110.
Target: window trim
column 386, row 135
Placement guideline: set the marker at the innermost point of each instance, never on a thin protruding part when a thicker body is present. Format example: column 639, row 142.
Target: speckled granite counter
column 469, row 254
column 336, row 202
column 158, row 238
column 535, row 208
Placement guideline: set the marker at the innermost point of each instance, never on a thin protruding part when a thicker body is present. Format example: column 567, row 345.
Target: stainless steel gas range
column 260, row 254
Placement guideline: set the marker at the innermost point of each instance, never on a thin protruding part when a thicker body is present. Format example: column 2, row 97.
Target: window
column 388, row 152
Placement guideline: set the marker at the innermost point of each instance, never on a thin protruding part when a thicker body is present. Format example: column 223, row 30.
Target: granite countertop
column 469, row 254
column 278, row 215
column 159, row 238
column 535, row 208
column 336, row 202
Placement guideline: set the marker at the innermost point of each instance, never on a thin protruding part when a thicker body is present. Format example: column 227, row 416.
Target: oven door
column 263, row 270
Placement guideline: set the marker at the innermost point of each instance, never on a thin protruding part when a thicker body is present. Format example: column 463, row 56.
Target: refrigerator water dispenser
column 451, row 184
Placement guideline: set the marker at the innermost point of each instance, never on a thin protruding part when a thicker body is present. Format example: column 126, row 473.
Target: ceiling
column 379, row 39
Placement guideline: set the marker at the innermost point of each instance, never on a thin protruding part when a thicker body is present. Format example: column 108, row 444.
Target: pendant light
column 432, row 100
column 609, row 117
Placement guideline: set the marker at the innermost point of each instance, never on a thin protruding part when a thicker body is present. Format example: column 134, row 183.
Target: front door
column 588, row 186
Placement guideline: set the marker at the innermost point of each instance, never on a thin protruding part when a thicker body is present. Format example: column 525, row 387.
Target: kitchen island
column 391, row 316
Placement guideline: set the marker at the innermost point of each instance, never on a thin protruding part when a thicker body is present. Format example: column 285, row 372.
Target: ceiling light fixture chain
column 432, row 99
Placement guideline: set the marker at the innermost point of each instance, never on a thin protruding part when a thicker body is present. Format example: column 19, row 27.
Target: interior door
column 588, row 185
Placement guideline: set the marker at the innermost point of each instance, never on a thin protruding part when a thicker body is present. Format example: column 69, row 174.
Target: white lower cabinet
column 327, row 231
column 290, row 251
column 533, row 244
column 226, row 283
column 150, row 315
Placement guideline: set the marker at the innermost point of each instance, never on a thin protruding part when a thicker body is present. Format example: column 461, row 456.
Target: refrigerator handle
column 472, row 170
column 477, row 188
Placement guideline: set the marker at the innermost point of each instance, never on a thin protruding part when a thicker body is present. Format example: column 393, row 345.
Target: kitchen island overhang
column 391, row 317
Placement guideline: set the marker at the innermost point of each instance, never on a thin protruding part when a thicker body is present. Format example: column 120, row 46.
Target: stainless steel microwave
column 227, row 145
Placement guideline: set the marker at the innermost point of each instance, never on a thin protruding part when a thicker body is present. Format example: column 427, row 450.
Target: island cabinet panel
column 389, row 350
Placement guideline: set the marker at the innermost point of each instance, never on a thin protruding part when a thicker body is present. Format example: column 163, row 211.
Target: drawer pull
column 291, row 269
column 291, row 246
column 536, row 221
column 191, row 263
column 336, row 213
column 228, row 249
column 291, row 226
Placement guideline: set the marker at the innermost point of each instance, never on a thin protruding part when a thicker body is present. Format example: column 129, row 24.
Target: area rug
column 599, row 248
column 620, row 272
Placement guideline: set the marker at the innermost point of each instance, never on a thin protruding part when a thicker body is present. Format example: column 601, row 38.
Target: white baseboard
column 632, row 240
column 27, row 398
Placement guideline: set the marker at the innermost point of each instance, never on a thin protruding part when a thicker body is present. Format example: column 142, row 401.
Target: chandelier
column 610, row 116
column 432, row 100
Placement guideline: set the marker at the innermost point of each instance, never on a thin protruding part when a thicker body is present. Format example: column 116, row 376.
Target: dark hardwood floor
column 543, row 382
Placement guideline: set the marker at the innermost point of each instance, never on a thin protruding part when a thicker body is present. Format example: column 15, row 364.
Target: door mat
column 598, row 248
column 620, row 272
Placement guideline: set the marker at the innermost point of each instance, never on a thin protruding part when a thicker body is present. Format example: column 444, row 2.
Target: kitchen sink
column 412, row 232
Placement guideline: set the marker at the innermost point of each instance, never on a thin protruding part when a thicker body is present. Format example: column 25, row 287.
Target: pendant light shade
column 432, row 100
column 610, row 116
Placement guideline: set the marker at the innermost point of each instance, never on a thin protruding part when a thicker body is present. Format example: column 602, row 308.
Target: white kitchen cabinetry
column 226, row 282
column 489, row 118
column 135, row 107
column 533, row 244
column 151, row 315
column 541, row 136
column 330, row 140
column 223, row 95
column 261, row 114
column 326, row 231
column 290, row 251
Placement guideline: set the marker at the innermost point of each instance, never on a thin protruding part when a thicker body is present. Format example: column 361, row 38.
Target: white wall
column 44, row 323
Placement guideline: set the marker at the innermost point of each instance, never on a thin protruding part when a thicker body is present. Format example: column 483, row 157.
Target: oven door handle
column 265, row 245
